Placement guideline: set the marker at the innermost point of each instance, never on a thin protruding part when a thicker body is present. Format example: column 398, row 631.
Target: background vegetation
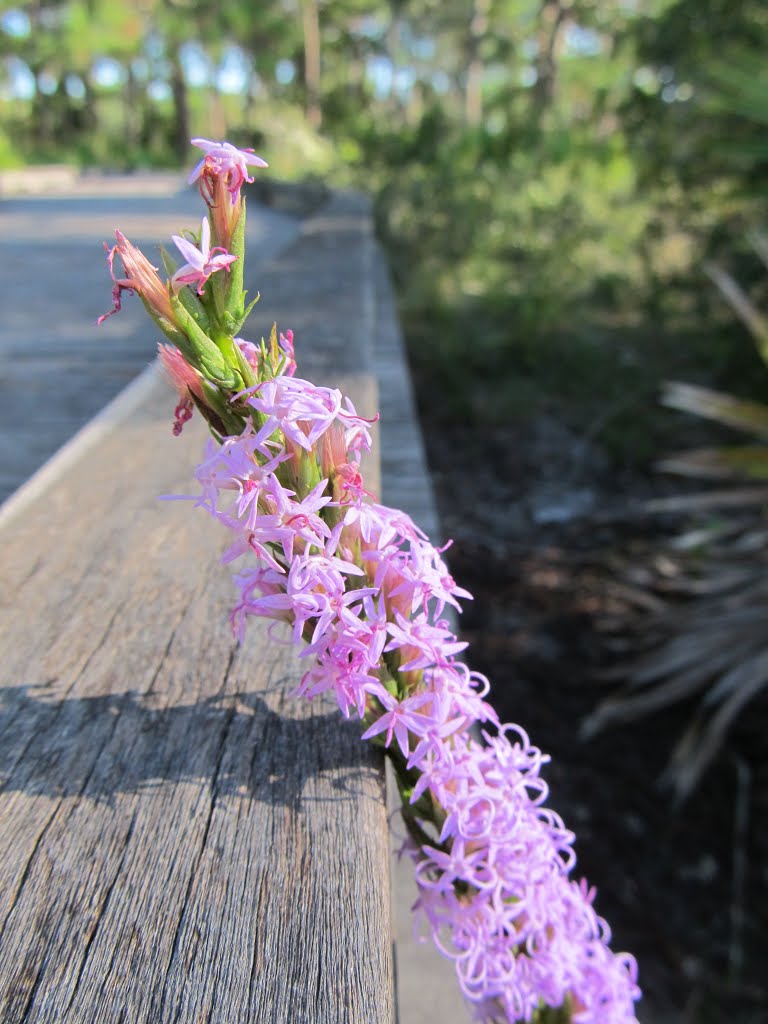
column 550, row 175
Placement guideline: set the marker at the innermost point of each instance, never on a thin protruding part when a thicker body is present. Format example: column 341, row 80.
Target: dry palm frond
column 713, row 645
column 751, row 417
column 735, row 296
column 732, row 463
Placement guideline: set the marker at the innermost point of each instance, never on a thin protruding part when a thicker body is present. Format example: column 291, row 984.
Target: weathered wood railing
column 180, row 840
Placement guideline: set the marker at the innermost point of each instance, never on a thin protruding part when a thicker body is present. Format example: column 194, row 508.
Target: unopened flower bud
column 140, row 276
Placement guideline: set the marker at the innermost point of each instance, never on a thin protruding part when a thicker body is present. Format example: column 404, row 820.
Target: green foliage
column 9, row 156
column 546, row 226
column 547, row 230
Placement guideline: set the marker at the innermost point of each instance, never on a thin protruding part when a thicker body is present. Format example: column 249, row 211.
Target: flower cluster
column 364, row 594
column 364, row 591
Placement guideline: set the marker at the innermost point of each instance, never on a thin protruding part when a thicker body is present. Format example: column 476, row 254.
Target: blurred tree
column 310, row 21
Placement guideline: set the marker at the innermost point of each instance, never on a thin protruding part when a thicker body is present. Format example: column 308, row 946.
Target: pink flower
column 224, row 160
column 285, row 345
column 301, row 411
column 399, row 718
column 201, row 263
column 422, row 643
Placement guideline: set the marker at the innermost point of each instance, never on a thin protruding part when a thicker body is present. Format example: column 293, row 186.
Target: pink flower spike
column 201, row 263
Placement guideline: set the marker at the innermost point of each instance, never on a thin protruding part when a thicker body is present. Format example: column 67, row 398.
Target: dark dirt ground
column 685, row 888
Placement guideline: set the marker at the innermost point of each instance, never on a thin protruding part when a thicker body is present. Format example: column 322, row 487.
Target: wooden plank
column 179, row 840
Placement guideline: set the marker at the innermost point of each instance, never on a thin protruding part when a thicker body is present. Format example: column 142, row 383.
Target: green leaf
column 234, row 297
column 202, row 353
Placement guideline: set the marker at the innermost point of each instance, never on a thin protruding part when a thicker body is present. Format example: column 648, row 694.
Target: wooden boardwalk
column 180, row 840
column 166, row 805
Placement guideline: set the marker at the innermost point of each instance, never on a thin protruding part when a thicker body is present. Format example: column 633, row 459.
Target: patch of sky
column 371, row 27
column 651, row 80
column 677, row 93
column 423, row 47
column 581, row 42
column 285, row 71
column 154, row 47
column 158, row 90
column 15, row 23
column 420, row 47
column 381, row 74
column 441, row 82
column 47, row 83
column 388, row 80
column 194, row 60
column 234, row 71
column 140, row 69
column 404, row 81
column 107, row 72
column 20, row 82
column 75, row 87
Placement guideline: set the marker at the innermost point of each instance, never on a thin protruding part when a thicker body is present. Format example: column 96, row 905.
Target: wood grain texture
column 180, row 841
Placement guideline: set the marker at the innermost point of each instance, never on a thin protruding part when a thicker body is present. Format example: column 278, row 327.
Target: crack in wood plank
column 28, row 865
column 93, row 930
column 229, row 719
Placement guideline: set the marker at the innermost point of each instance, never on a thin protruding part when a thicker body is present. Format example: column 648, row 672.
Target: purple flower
column 201, row 262
column 301, row 411
column 224, row 160
column 367, row 593
column 399, row 718
column 424, row 643
column 285, row 344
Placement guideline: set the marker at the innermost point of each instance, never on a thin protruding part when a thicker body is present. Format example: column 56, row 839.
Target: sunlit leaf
column 743, row 462
column 751, row 417
column 738, row 300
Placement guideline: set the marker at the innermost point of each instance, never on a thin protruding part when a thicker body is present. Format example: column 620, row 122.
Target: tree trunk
column 553, row 19
column 473, row 89
column 131, row 113
column 217, row 117
column 180, row 134
column 310, row 17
